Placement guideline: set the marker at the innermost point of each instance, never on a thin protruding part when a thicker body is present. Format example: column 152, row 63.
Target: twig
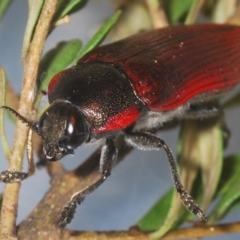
column 189, row 233
column 203, row 231
column 157, row 14
column 31, row 62
column 110, row 235
column 194, row 11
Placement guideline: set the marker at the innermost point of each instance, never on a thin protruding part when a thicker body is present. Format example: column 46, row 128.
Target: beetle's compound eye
column 75, row 130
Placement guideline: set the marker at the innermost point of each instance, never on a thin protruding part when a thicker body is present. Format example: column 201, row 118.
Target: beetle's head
column 63, row 128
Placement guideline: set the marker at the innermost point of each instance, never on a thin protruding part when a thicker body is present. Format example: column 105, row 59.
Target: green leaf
column 229, row 191
column 202, row 147
column 4, row 4
column 171, row 215
column 166, row 214
column 188, row 153
column 98, row 37
column 175, row 9
column 158, row 213
column 223, row 11
column 211, row 146
column 2, row 103
column 35, row 7
column 56, row 60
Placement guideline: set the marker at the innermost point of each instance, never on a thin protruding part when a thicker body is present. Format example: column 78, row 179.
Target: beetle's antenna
column 24, row 120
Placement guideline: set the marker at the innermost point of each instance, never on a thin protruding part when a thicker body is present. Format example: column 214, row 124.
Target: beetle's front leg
column 10, row 176
column 108, row 156
column 147, row 141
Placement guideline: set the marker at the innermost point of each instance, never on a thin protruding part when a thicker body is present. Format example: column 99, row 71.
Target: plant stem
column 31, row 62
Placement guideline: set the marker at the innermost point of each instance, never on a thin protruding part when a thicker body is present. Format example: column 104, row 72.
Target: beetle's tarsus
column 68, row 213
column 8, row 176
column 69, row 209
column 192, row 206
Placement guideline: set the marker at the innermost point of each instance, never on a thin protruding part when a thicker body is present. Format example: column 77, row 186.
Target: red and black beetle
column 134, row 85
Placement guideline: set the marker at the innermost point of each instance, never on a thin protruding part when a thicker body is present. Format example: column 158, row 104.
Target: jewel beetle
column 134, row 85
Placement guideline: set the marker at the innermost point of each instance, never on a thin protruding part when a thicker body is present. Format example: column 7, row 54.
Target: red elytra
column 169, row 66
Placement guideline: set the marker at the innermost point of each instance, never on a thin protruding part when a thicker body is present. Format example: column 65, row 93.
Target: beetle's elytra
column 134, row 85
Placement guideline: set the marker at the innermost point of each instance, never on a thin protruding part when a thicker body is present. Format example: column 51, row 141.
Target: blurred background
column 138, row 181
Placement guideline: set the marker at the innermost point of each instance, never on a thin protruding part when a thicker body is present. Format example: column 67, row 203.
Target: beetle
column 131, row 86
